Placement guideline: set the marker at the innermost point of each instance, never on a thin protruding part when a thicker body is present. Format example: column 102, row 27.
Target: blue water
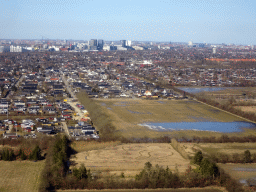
column 199, row 89
column 224, row 127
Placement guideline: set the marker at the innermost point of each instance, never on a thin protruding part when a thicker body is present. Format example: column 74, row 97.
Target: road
column 77, row 110
column 68, row 87
column 16, row 85
column 65, row 127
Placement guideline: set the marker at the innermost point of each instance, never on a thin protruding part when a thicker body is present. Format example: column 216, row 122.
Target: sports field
column 128, row 113
column 131, row 158
column 20, row 176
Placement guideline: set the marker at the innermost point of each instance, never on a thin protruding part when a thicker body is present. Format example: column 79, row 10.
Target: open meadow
column 227, row 148
column 250, row 109
column 127, row 114
column 131, row 158
column 241, row 94
column 20, row 176
column 240, row 172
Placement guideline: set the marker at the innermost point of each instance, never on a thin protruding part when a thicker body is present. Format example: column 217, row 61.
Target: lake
column 224, row 127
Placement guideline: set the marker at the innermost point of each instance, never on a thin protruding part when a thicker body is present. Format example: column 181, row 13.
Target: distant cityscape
column 18, row 45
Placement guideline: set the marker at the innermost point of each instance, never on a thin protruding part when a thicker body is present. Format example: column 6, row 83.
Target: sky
column 199, row 21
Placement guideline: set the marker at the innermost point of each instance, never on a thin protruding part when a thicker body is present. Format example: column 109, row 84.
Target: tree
column 208, row 168
column 198, row 158
column 80, row 173
column 247, row 156
column 36, row 154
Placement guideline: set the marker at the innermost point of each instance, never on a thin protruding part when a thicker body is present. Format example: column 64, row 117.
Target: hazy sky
column 210, row 21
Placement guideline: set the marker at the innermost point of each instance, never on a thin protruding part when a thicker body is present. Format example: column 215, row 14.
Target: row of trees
column 103, row 122
column 8, row 154
column 246, row 157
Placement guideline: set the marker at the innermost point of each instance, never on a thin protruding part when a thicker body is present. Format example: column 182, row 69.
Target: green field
column 23, row 176
column 128, row 113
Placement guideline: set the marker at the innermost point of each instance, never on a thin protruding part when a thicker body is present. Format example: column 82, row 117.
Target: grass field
column 223, row 96
column 130, row 158
column 80, row 146
column 251, row 109
column 23, row 176
column 206, row 189
column 128, row 113
column 215, row 148
column 240, row 171
column 227, row 148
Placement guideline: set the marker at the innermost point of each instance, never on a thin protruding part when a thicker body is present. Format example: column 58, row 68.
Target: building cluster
column 43, row 84
column 101, row 45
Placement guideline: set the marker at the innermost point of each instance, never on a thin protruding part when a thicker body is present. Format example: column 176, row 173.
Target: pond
column 224, row 127
column 201, row 89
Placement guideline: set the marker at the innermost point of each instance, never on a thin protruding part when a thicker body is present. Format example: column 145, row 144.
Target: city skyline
column 220, row 21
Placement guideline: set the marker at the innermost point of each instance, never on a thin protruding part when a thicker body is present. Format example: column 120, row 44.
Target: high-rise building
column 123, row 43
column 190, row 43
column 100, row 44
column 129, row 43
column 93, row 42
column 214, row 50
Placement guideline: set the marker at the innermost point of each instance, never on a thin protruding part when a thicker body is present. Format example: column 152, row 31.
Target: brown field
column 240, row 171
column 21, row 176
column 130, row 158
column 80, row 146
column 206, row 189
column 251, row 109
column 128, row 113
column 227, row 148
column 223, row 96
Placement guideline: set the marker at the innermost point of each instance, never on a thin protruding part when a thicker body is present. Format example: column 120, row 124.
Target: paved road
column 16, row 84
column 68, row 87
column 77, row 110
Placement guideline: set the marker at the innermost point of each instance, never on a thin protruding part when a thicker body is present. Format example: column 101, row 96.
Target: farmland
column 128, row 113
column 130, row 158
column 20, row 175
